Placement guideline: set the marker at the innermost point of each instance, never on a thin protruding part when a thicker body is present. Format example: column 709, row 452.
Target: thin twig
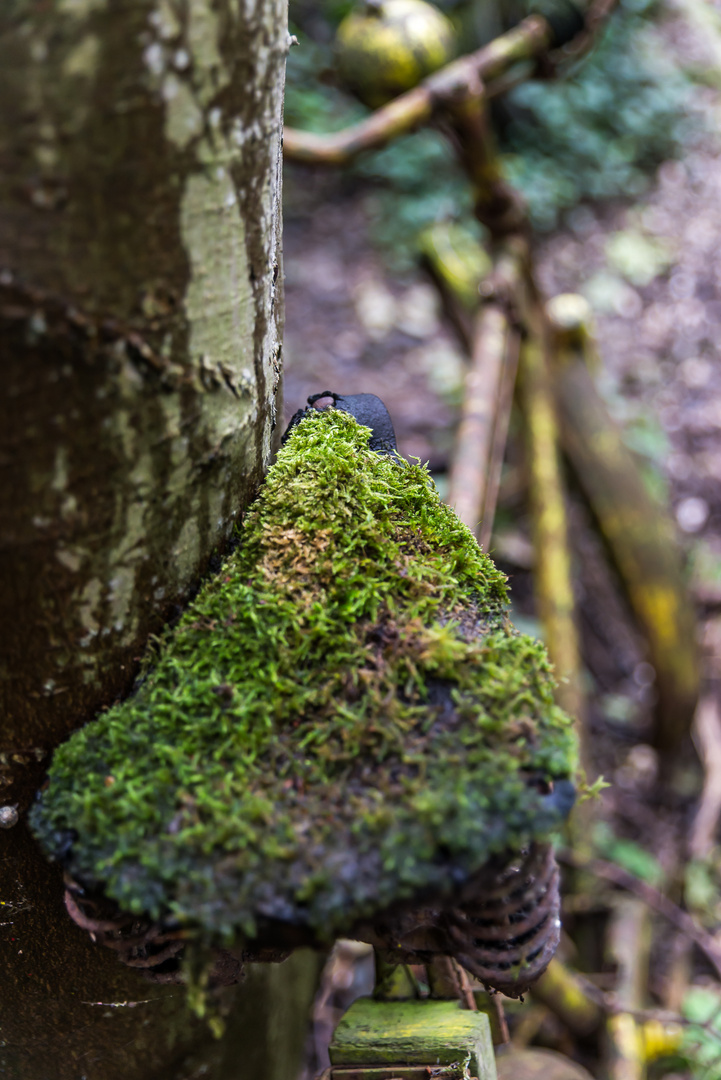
column 500, row 437
column 500, row 1013
column 707, row 736
column 627, row 947
column 596, row 18
column 481, row 397
column 465, row 992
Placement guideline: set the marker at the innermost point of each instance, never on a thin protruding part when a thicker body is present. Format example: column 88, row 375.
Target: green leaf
column 628, row 855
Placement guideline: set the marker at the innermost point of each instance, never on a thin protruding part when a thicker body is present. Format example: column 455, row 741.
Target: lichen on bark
column 140, row 322
column 344, row 718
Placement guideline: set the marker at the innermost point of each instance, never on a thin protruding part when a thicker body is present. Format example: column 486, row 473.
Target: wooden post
column 382, row 1035
column 552, row 580
column 640, row 537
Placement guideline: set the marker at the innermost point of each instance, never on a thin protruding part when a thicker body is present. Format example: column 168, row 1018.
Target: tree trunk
column 140, row 321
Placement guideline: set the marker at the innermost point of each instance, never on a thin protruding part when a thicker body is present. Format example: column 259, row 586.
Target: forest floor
column 652, row 274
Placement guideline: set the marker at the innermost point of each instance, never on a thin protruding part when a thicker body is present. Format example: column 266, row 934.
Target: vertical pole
column 552, row 581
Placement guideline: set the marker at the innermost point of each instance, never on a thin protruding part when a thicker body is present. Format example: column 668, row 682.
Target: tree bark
column 140, row 326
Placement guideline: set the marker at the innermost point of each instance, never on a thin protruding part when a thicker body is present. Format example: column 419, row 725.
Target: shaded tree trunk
column 140, row 321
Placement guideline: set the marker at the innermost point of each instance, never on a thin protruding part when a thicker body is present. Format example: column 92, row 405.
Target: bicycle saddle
column 344, row 734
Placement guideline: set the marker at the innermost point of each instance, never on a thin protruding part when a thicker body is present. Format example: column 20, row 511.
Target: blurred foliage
column 701, row 1050
column 641, row 429
column 705, row 565
column 598, row 133
column 638, row 257
column 415, row 182
column 701, row 889
column 410, row 184
column 646, row 437
column 626, row 854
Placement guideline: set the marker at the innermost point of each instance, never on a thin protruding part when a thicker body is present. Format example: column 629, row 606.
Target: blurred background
column 620, row 166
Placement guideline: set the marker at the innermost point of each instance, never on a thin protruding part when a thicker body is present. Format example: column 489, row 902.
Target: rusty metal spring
column 504, row 929
column 152, row 947
column 138, row 943
column 508, row 931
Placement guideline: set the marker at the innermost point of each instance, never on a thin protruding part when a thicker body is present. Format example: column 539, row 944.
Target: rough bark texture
column 140, row 315
column 139, row 289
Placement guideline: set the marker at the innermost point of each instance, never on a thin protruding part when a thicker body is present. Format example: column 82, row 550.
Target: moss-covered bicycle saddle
column 344, row 727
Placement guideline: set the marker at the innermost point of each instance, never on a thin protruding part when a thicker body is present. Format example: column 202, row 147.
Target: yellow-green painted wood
column 414, row 1033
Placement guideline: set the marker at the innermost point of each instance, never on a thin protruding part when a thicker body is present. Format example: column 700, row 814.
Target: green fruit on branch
column 389, row 46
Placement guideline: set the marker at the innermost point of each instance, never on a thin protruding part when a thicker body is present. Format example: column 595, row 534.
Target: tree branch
column 405, row 113
column 471, row 75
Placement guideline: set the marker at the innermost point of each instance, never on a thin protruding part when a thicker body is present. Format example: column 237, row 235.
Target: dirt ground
column 652, row 273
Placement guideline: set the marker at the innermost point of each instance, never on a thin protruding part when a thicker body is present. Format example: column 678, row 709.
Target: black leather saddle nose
column 368, row 410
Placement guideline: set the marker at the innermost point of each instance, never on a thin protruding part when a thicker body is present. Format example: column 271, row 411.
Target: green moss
column 343, row 718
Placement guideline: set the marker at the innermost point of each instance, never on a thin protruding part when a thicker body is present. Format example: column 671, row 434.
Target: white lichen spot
column 181, row 60
column 59, row 480
column 186, row 551
column 141, row 476
column 218, row 300
column 89, row 602
column 121, row 588
column 38, row 51
column 69, row 506
column 183, row 118
column 124, row 433
column 130, row 380
column 203, row 34
column 37, row 324
column 241, row 134
column 71, row 560
column 169, row 90
column 47, row 158
column 164, row 21
column 154, row 59
column 130, row 527
column 173, row 415
column 80, row 9
column 82, row 61
column 216, row 501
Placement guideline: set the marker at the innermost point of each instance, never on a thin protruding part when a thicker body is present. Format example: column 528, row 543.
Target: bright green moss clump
column 344, row 717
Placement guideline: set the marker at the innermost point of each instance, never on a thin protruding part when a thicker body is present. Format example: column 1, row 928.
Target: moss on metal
column 343, row 718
